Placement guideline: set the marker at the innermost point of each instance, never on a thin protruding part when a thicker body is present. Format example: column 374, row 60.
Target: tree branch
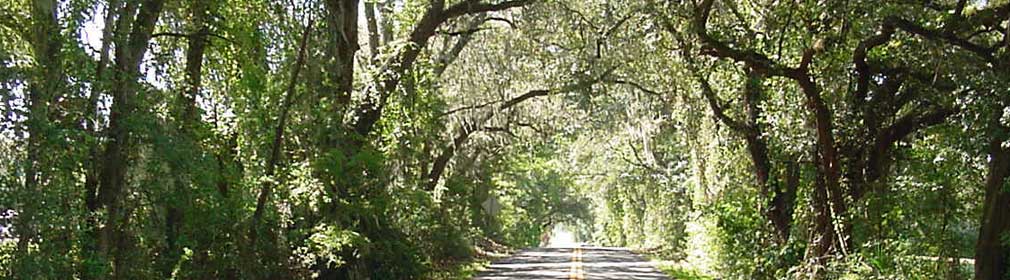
column 524, row 97
column 898, row 130
column 466, row 32
column 370, row 111
column 278, row 141
column 859, row 59
column 633, row 84
column 717, row 110
column 448, row 56
column 470, row 107
column 542, row 92
column 933, row 34
column 442, row 160
column 190, row 35
column 912, row 122
column 475, row 6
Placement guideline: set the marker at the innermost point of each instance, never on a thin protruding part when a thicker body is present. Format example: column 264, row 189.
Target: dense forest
column 398, row 139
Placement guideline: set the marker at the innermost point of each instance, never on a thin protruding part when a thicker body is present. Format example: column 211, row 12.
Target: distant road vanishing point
column 596, row 263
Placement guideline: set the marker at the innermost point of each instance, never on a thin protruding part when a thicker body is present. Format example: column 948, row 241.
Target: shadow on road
column 618, row 263
column 539, row 263
column 557, row 263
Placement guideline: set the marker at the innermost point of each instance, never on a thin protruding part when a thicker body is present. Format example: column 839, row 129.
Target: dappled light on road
column 542, row 263
column 504, row 139
column 618, row 263
column 573, row 263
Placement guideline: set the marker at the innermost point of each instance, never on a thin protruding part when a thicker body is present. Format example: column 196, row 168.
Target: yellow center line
column 576, row 272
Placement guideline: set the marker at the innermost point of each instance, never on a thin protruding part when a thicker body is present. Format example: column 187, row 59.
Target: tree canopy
column 396, row 139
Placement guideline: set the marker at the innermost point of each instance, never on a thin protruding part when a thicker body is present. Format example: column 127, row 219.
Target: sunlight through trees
column 413, row 139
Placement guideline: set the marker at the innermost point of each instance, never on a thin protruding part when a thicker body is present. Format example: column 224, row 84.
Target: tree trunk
column 112, row 177
column 779, row 193
column 342, row 18
column 46, row 44
column 373, row 29
column 823, row 236
column 188, row 119
column 99, row 84
column 828, row 182
column 779, row 197
column 441, row 162
column 386, row 21
column 370, row 111
column 783, row 200
column 278, row 141
column 992, row 253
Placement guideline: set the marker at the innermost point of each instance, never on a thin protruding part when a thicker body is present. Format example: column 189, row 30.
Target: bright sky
column 562, row 238
column 91, row 34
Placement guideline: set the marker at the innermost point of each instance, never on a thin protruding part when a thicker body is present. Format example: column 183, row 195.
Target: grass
column 484, row 252
column 460, row 271
column 680, row 269
column 679, row 272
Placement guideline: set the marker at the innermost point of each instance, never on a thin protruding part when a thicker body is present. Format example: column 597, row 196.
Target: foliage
column 752, row 139
column 683, row 273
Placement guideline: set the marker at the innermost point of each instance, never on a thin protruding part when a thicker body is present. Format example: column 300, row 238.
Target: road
column 590, row 263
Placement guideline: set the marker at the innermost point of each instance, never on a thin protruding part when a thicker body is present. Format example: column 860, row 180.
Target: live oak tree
column 347, row 139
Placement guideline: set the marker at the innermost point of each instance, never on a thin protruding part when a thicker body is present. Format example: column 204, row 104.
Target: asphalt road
column 593, row 263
